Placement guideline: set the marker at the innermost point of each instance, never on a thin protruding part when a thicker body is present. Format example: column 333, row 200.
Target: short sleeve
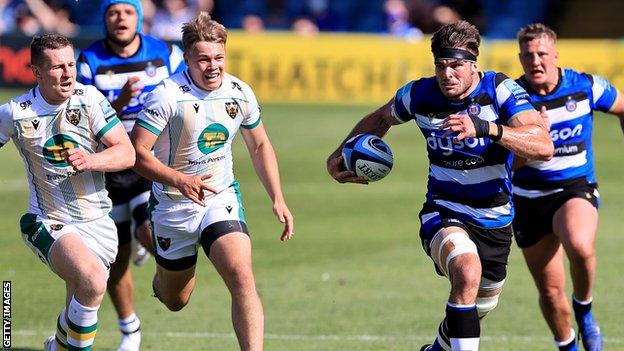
column 252, row 115
column 176, row 60
column 103, row 116
column 85, row 76
column 158, row 108
column 401, row 105
column 6, row 123
column 511, row 99
column 603, row 92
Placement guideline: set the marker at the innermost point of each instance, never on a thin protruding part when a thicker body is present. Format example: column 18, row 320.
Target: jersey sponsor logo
column 566, row 133
column 212, row 138
column 196, row 107
column 78, row 92
column 231, row 108
column 516, row 90
column 72, row 115
column 570, row 104
column 164, row 243
column 25, row 104
column 55, row 149
column 228, row 208
column 449, row 146
column 185, row 88
column 467, row 163
column 35, row 123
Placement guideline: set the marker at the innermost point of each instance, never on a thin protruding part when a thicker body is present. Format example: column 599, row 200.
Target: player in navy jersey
column 556, row 201
column 471, row 122
column 125, row 66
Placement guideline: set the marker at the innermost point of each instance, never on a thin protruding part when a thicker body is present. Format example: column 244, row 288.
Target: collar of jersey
column 205, row 93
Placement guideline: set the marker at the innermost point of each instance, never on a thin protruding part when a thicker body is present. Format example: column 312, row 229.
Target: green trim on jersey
column 239, row 197
column 148, row 126
column 107, row 127
column 253, row 125
column 37, row 233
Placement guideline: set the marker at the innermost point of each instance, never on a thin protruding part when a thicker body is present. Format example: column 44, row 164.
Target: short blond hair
column 202, row 28
column 534, row 31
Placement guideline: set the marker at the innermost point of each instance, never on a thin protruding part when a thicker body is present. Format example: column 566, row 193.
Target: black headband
column 452, row 53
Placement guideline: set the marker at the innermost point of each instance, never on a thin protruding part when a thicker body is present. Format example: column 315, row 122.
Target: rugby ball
column 368, row 156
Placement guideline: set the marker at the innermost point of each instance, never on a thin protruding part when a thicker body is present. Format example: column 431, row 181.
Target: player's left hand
column 284, row 216
column 79, row 159
column 461, row 125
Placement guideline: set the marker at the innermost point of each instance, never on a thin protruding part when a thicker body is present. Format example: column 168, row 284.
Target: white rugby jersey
column 195, row 128
column 42, row 133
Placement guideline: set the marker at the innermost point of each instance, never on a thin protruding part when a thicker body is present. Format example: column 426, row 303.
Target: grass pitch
column 353, row 278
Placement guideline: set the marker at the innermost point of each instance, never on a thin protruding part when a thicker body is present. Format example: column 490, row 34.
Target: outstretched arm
column 151, row 168
column 377, row 123
column 265, row 163
column 117, row 156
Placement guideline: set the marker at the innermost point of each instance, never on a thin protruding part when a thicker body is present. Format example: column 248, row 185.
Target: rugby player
column 125, row 66
column 59, row 128
column 472, row 122
column 557, row 200
column 189, row 121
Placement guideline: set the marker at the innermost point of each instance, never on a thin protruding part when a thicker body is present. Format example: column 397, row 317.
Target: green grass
column 354, row 278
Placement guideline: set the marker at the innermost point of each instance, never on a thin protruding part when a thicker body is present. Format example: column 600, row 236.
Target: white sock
column 130, row 324
column 82, row 325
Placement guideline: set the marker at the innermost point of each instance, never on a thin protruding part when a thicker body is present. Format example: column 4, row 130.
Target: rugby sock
column 464, row 329
column 82, row 323
column 581, row 308
column 569, row 344
column 61, row 332
column 130, row 324
column 442, row 342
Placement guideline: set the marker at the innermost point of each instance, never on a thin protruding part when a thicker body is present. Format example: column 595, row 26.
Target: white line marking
column 363, row 338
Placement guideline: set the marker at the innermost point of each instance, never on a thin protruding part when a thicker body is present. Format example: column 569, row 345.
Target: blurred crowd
column 163, row 18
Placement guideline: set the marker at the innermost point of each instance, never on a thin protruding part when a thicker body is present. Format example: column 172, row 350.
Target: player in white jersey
column 68, row 135
column 125, row 66
column 190, row 120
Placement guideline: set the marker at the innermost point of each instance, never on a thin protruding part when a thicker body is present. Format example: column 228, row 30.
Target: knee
column 551, row 292
column 581, row 251
column 174, row 301
column 92, row 284
column 487, row 298
column 240, row 280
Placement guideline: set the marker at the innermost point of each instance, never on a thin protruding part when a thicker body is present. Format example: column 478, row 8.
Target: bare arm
column 526, row 136
column 618, row 109
column 151, row 168
column 265, row 163
column 118, row 155
column 378, row 123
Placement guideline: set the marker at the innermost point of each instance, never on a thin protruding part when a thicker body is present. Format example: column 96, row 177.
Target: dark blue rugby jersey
column 469, row 178
column 570, row 108
column 154, row 61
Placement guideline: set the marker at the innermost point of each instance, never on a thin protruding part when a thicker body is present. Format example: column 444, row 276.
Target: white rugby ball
column 368, row 156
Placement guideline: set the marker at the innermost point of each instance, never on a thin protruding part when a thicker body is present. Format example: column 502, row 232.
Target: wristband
column 482, row 127
column 499, row 133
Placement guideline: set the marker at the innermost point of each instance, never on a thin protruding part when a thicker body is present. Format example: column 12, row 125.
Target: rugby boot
column 50, row 344
column 589, row 332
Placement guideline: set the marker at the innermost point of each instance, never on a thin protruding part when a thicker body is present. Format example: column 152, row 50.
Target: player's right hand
column 193, row 187
column 545, row 117
column 336, row 168
column 131, row 89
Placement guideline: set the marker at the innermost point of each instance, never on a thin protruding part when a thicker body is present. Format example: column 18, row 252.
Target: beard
column 120, row 42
